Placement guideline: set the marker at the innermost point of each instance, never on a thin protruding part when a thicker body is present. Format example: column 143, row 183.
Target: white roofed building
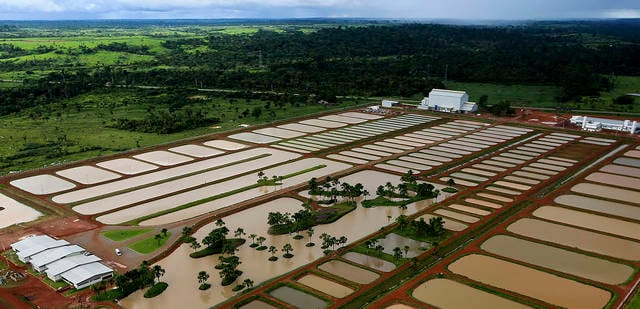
column 87, row 274
column 46, row 257
column 448, row 101
column 30, row 246
column 57, row 268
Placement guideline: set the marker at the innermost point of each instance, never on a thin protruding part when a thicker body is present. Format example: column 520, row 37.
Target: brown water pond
column 558, row 259
column 618, row 180
column 530, row 282
column 607, row 192
column 621, row 170
column 598, row 205
column 298, row 298
column 577, row 238
column 590, row 221
column 447, row 293
column 369, row 261
column 325, row 286
column 349, row 272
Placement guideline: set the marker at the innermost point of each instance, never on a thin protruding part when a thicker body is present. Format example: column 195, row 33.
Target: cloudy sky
column 428, row 9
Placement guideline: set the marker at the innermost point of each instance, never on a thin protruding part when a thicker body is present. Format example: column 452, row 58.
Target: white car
column 118, row 252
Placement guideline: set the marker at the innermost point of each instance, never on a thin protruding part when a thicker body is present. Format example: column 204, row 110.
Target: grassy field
column 26, row 138
column 120, row 235
column 518, row 95
column 635, row 302
column 151, row 244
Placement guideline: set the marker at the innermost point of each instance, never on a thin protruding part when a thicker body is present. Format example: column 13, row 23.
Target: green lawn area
column 635, row 302
column 150, row 244
column 623, row 85
column 518, row 95
column 120, row 235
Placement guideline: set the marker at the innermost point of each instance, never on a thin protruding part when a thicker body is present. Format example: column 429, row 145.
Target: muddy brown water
column 577, row 238
column 326, row 286
column 527, row 281
column 489, row 167
column 399, row 306
column 486, row 203
column 409, row 165
column 279, row 132
column 627, row 161
column 254, row 138
column 531, row 175
column 459, row 181
column 457, row 216
column 607, row 192
column 298, row 298
column 621, row 170
column 393, row 240
column 470, row 209
column 558, row 259
column 224, row 144
column 512, row 185
column 323, row 123
column 618, row 180
column 301, row 128
column 598, row 205
column 522, row 180
column 503, row 190
column 343, row 118
column 470, row 177
column 258, row 304
column 494, row 197
column 419, row 160
column 346, row 159
column 478, row 172
column 349, row 272
column 447, row 293
column 369, row 261
column 590, row 221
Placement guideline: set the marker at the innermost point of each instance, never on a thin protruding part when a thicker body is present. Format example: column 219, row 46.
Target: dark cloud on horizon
column 428, row 9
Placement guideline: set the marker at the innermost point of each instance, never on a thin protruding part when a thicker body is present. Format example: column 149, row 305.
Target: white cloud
column 622, row 13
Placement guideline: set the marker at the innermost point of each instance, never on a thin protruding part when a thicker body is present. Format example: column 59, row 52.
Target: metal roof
column 68, row 263
column 448, row 93
column 85, row 272
column 35, row 244
column 49, row 255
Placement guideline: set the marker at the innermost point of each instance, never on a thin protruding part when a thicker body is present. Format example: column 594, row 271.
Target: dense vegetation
column 146, row 77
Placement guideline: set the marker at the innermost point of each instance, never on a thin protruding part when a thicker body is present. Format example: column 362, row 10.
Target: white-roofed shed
column 86, row 275
column 41, row 260
column 30, row 246
column 55, row 269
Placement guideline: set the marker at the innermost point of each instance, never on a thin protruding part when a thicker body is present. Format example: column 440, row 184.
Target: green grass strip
column 150, row 244
column 120, row 235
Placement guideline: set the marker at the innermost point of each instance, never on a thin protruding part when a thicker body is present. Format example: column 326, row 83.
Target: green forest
column 146, row 82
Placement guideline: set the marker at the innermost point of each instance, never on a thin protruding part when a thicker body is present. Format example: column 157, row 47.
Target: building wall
column 447, row 102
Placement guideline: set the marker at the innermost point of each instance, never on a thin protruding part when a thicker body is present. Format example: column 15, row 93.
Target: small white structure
column 26, row 248
column 448, row 101
column 389, row 103
column 597, row 124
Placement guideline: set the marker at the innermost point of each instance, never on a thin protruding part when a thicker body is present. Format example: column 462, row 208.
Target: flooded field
column 278, row 132
column 15, row 212
column 577, row 238
column 470, row 209
column 617, row 180
column 457, row 216
column 254, row 138
column 127, row 166
column 449, row 224
column 590, row 221
column 447, row 293
column 558, row 259
column 196, row 151
column 225, row 145
column 528, row 281
column 369, row 261
column 597, row 205
column 298, row 298
column 323, row 123
column 301, row 128
column 393, row 240
column 42, row 184
column 349, row 272
column 88, row 175
column 258, row 304
column 326, row 286
column 163, row 158
column 490, row 196
column 621, row 170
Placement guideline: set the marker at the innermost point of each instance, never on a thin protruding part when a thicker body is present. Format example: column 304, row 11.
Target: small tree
column 158, row 238
column 186, row 231
column 451, row 182
column 195, row 245
column 239, row 233
column 203, row 276
column 310, row 232
column 220, row 223
column 248, row 283
column 406, row 251
column 397, row 253
column 287, row 248
column 273, row 250
column 164, row 232
column 260, row 240
column 158, row 272
column 253, row 240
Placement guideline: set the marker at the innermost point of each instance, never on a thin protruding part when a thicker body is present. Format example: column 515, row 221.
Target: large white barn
column 448, row 101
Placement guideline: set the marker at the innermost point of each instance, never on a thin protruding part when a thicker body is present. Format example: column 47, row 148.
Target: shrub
column 156, row 290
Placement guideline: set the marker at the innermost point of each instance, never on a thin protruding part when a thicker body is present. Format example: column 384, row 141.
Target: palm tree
column 260, row 240
column 253, row 240
column 203, row 276
column 239, row 233
column 158, row 238
column 248, row 283
column 273, row 250
column 310, row 232
column 397, row 253
column 164, row 232
column 186, row 231
column 287, row 248
column 158, row 272
column 365, row 193
column 406, row 251
column 219, row 223
column 195, row 245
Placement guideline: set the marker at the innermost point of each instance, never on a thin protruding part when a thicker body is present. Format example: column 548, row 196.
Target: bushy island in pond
column 216, row 242
column 131, row 281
